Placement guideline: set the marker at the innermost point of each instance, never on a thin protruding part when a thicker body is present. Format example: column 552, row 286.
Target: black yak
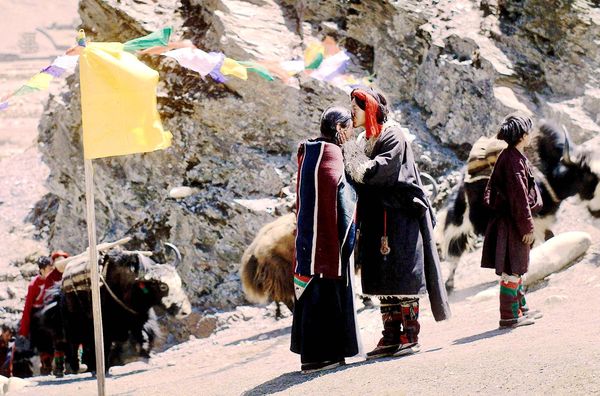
column 132, row 284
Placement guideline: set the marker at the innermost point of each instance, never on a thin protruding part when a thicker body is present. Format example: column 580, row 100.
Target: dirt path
column 465, row 355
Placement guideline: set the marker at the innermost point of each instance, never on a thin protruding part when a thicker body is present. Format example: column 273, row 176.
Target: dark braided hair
column 331, row 117
column 43, row 262
column 382, row 111
column 513, row 128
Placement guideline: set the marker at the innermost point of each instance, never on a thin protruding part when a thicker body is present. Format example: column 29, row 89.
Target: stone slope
column 452, row 70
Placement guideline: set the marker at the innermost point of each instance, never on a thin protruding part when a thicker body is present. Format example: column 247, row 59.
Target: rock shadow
column 481, row 336
column 263, row 336
column 456, row 296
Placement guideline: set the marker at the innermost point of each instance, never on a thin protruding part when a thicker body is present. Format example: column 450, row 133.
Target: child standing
column 514, row 197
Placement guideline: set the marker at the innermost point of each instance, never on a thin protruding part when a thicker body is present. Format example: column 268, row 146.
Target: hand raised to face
column 344, row 135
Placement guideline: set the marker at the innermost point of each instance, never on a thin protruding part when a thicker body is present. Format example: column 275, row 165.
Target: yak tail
column 277, row 278
column 268, row 280
column 255, row 291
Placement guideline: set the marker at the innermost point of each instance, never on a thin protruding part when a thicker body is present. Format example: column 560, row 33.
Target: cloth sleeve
column 385, row 169
column 32, row 292
column 516, row 179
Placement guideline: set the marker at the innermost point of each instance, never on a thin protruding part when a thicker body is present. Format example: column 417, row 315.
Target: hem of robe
column 423, row 295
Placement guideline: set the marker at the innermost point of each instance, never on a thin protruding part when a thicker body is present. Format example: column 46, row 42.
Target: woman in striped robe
column 324, row 329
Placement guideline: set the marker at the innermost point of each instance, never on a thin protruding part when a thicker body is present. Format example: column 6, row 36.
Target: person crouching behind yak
column 324, row 328
column 396, row 251
column 31, row 327
column 513, row 196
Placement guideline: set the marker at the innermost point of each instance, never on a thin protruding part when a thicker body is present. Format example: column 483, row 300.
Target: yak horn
column 566, row 155
column 178, row 258
column 431, row 181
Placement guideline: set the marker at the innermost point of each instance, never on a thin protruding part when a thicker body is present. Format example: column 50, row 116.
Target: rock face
column 451, row 69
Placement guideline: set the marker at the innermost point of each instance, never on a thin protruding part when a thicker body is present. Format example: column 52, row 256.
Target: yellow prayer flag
column 40, row 81
column 118, row 103
column 233, row 68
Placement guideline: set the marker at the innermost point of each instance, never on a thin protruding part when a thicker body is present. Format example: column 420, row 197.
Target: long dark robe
column 513, row 196
column 324, row 326
column 392, row 184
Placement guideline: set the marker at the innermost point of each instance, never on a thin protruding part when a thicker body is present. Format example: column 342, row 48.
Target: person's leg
column 60, row 347
column 409, row 338
column 53, row 322
column 41, row 340
column 510, row 312
column 5, row 360
column 535, row 314
column 391, row 317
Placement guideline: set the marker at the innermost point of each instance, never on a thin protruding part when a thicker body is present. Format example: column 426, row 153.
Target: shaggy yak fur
column 266, row 267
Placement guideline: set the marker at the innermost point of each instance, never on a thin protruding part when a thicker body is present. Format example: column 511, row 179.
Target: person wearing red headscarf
column 35, row 300
column 396, row 251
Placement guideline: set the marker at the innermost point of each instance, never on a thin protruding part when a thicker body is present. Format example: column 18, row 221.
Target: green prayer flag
column 160, row 37
column 316, row 62
column 24, row 90
column 258, row 69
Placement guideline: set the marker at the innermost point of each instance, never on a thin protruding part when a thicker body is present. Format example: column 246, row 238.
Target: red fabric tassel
column 371, row 107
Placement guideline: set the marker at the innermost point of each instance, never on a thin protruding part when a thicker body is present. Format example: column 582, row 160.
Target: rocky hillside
column 452, row 70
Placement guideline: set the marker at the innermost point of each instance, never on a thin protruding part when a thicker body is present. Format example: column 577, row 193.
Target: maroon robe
column 513, row 196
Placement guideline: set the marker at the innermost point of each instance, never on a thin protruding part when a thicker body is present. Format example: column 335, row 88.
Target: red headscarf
column 57, row 254
column 372, row 127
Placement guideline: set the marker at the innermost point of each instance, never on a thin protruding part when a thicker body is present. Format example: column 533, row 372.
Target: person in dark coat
column 324, row 328
column 514, row 197
column 396, row 252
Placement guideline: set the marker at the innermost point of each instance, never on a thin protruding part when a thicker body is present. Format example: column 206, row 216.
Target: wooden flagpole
column 95, row 282
column 93, row 252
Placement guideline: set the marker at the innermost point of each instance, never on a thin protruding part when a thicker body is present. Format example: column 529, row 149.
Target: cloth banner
column 118, row 103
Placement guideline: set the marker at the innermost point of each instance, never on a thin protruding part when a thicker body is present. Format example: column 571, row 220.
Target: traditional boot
column 530, row 313
column 409, row 337
column 59, row 365
column 46, row 360
column 510, row 312
column 392, row 322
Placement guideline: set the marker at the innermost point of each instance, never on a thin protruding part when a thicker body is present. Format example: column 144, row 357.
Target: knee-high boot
column 510, row 311
column 531, row 313
column 46, row 360
column 391, row 316
column 409, row 337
